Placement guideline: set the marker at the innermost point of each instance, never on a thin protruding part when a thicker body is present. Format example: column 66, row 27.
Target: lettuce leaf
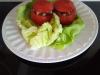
column 44, row 35
column 56, row 29
column 29, row 33
column 47, row 33
column 23, row 17
column 69, row 34
column 21, row 12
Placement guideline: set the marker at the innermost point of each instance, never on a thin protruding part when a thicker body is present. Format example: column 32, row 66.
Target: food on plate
column 53, row 23
column 66, row 10
column 41, row 12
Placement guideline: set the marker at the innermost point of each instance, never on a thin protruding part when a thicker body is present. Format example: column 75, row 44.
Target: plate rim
column 53, row 61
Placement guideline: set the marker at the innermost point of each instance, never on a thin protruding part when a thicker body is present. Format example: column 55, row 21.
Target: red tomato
column 43, row 6
column 39, row 19
column 41, row 11
column 65, row 9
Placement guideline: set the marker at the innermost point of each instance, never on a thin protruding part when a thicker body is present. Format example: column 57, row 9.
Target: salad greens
column 69, row 34
column 50, row 33
column 44, row 35
column 23, row 16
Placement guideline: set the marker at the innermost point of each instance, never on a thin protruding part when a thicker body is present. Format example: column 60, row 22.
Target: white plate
column 15, row 42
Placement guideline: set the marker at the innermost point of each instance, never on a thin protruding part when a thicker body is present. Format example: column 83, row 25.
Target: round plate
column 15, row 42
